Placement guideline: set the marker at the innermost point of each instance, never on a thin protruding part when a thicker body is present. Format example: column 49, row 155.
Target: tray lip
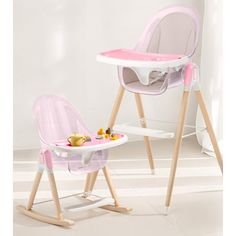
column 142, row 63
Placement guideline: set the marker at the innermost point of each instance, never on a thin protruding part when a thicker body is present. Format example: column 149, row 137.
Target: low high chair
column 56, row 120
column 162, row 59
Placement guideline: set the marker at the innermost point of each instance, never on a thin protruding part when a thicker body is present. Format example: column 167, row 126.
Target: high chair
column 162, row 59
column 56, row 120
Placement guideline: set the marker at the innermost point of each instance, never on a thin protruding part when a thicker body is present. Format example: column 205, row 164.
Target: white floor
column 196, row 208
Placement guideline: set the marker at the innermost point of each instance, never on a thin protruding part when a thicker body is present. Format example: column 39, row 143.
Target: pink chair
column 57, row 119
column 162, row 59
column 173, row 30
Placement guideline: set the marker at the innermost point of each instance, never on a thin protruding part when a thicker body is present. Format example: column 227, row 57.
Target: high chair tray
column 93, row 145
column 132, row 58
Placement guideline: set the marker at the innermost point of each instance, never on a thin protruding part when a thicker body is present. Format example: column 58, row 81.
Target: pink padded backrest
column 56, row 119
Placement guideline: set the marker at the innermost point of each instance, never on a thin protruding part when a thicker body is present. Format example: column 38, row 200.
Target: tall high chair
column 56, row 120
column 162, row 59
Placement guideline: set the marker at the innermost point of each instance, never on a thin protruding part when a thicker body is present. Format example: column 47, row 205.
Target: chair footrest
column 143, row 131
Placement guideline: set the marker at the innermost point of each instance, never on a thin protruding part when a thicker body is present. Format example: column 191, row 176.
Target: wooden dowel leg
column 110, row 185
column 87, row 182
column 116, row 107
column 117, row 207
column 144, row 125
column 209, row 128
column 93, row 180
column 90, row 181
column 34, row 189
column 55, row 195
column 178, row 141
column 111, row 123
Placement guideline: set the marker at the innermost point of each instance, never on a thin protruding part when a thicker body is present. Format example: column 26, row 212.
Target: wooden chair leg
column 179, row 134
column 116, row 107
column 110, row 185
column 93, row 180
column 34, row 189
column 87, row 182
column 144, row 125
column 55, row 195
column 90, row 181
column 59, row 220
column 210, row 130
column 116, row 207
column 111, row 123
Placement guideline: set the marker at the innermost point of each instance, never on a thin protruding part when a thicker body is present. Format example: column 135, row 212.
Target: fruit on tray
column 114, row 137
column 108, row 131
column 100, row 131
column 107, row 134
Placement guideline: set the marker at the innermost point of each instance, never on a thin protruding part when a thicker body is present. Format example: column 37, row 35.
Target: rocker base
column 117, row 208
column 44, row 218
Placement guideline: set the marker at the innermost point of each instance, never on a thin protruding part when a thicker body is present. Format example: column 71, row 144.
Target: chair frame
column 142, row 46
column 59, row 218
column 45, row 164
column 179, row 132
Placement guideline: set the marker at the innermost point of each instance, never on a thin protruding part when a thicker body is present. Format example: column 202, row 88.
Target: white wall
column 55, row 45
column 211, row 73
